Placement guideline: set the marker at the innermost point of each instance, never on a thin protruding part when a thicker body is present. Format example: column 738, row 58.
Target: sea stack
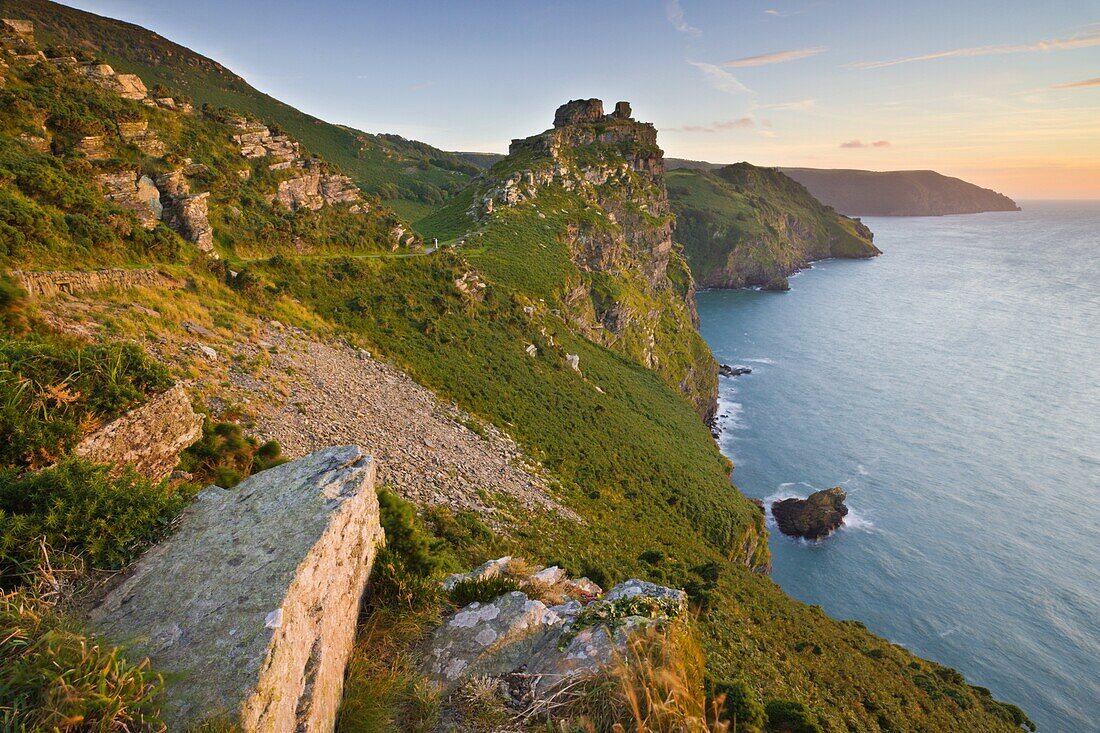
column 814, row 517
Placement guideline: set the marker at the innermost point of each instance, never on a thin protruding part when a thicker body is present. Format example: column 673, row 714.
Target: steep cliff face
column 742, row 225
column 629, row 287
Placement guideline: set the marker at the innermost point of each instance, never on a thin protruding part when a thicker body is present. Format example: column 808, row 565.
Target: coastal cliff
column 898, row 193
column 742, row 225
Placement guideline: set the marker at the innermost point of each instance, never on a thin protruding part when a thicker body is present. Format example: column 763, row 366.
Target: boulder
column 485, row 571
column 249, row 609
column 622, row 111
column 489, row 638
column 815, row 517
column 149, row 438
column 730, row 371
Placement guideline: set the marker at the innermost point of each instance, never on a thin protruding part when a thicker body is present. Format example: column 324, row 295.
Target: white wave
column 761, row 360
column 861, row 470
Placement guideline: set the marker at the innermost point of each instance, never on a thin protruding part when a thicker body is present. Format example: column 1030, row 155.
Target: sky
column 1004, row 94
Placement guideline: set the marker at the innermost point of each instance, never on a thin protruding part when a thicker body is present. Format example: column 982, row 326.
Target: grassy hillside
column 411, row 176
column 742, row 225
column 898, row 193
column 565, row 261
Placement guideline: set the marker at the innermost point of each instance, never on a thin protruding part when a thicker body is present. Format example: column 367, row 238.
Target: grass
column 56, row 678
column 52, row 389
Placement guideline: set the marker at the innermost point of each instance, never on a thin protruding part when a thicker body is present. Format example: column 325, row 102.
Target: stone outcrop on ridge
column 249, row 609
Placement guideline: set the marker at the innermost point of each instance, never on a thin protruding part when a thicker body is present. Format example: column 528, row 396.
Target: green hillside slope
column 742, row 225
column 411, row 176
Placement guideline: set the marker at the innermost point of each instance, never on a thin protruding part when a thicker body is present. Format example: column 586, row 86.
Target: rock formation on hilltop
column 633, row 292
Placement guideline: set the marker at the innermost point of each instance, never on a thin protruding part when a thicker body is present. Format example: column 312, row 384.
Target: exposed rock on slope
column 311, row 394
column 742, row 225
column 54, row 282
column 898, row 193
column 814, row 517
column 249, row 609
column 537, row 646
column 149, row 438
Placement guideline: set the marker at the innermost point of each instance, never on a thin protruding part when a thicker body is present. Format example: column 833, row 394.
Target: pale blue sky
column 1011, row 101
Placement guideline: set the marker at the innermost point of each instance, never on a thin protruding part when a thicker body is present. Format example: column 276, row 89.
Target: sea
column 951, row 386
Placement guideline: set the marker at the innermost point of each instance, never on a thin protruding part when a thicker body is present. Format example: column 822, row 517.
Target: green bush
column 406, row 568
column 738, row 705
column 225, row 455
column 77, row 507
column 50, row 390
column 57, row 679
column 790, row 716
column 482, row 590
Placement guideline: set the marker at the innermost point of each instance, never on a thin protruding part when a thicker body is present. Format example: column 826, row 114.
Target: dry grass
column 656, row 686
column 383, row 689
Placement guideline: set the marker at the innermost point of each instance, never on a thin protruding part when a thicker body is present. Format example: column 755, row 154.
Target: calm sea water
column 952, row 387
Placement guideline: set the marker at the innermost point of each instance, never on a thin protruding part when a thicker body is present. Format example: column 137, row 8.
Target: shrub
column 225, row 455
column 50, row 390
column 734, row 702
column 79, row 508
column 405, row 569
column 482, row 590
column 790, row 716
column 56, row 678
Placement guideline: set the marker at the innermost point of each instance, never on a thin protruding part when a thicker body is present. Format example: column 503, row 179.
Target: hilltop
column 743, row 225
column 411, row 176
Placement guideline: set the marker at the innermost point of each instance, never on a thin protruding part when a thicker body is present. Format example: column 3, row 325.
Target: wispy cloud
column 675, row 14
column 719, row 78
column 778, row 57
column 861, row 144
column 1080, row 40
column 1077, row 84
column 740, row 122
column 796, row 104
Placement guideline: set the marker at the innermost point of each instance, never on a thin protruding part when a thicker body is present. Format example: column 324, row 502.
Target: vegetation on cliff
column 743, row 225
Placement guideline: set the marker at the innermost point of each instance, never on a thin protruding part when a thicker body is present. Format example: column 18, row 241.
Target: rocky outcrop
column 813, row 518
column 138, row 134
column 133, row 192
column 316, row 189
column 257, row 141
column 54, row 282
column 127, row 86
column 189, row 215
column 249, row 609
column 149, row 438
column 552, row 630
column 615, row 169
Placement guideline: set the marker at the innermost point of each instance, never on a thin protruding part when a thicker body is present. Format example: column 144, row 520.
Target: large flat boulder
column 249, row 609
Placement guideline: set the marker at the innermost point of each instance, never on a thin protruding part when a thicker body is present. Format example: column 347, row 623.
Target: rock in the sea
column 814, row 517
column 149, row 438
column 778, row 283
column 249, row 609
column 729, row 371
